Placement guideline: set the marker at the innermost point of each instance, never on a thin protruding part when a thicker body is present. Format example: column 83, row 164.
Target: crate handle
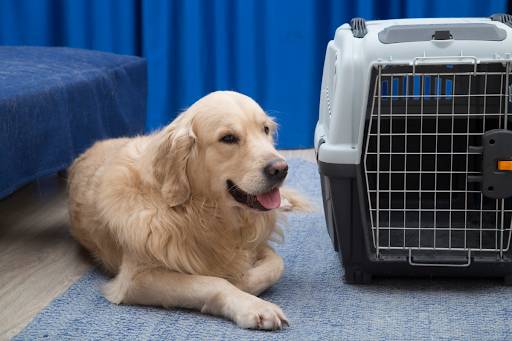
column 444, row 60
column 458, row 265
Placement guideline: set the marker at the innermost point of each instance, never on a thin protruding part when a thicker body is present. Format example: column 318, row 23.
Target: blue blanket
column 56, row 102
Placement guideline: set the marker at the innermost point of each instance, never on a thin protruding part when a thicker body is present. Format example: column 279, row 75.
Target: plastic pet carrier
column 414, row 147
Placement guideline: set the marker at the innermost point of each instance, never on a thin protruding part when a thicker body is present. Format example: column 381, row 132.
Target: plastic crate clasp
column 496, row 150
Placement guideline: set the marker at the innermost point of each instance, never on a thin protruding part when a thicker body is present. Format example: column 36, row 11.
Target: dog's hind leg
column 212, row 295
column 293, row 201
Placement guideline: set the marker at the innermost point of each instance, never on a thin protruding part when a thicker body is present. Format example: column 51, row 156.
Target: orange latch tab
column 505, row 165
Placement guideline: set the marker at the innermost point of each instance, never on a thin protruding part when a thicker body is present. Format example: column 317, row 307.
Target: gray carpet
column 319, row 305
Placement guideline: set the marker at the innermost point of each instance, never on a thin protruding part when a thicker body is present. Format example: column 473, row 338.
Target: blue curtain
column 271, row 50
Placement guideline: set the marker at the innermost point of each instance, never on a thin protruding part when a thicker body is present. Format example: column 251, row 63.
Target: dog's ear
column 170, row 163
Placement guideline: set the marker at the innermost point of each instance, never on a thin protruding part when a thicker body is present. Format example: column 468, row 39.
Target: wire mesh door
column 419, row 160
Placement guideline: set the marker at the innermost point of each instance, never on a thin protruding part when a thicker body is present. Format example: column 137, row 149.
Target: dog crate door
column 423, row 158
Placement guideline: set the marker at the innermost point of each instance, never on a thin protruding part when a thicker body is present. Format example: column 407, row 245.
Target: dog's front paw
column 262, row 276
column 260, row 314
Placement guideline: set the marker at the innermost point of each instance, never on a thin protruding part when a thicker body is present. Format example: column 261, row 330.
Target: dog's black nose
column 276, row 170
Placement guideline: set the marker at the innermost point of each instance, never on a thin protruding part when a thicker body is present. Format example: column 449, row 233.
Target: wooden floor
column 38, row 258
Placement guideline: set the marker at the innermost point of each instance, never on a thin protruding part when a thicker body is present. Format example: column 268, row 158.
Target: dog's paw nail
column 262, row 315
column 259, row 322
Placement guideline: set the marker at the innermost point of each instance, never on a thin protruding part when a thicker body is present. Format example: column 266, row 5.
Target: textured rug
column 318, row 304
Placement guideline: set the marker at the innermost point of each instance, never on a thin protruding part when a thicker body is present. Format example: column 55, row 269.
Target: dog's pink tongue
column 270, row 199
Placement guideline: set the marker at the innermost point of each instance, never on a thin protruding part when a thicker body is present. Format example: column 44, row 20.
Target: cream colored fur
column 155, row 212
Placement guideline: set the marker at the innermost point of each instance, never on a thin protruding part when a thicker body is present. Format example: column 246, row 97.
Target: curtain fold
column 271, row 50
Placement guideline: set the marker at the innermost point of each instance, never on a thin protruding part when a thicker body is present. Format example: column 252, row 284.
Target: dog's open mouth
column 263, row 202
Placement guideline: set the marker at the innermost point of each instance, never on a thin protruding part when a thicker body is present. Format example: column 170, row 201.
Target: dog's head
column 222, row 148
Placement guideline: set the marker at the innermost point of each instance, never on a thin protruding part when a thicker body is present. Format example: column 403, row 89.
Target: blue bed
column 56, row 102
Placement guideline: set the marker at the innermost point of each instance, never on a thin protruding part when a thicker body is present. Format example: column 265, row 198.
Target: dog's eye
column 267, row 130
column 229, row 138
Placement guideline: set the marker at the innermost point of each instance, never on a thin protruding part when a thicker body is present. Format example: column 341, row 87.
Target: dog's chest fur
column 222, row 243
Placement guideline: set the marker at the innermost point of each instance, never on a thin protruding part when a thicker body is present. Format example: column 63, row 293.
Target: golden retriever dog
column 183, row 217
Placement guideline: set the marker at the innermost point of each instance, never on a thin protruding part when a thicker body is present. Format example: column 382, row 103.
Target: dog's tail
column 291, row 200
